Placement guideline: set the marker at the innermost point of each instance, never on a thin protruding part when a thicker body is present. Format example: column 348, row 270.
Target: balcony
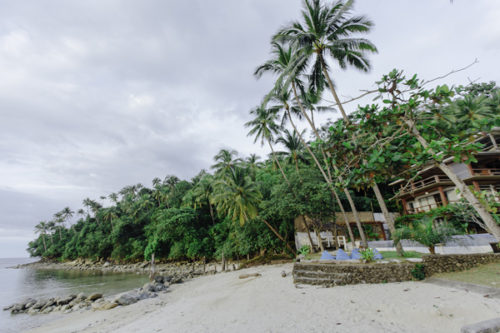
column 485, row 172
column 425, row 184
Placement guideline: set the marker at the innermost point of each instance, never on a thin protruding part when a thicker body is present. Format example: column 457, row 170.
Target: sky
column 96, row 95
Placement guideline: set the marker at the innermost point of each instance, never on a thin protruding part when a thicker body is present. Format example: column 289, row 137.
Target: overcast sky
column 96, row 95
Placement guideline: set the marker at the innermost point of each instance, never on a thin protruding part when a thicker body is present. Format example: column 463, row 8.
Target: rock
column 107, row 306
column 38, row 305
column 176, row 279
column 127, row 299
column 106, row 264
column 81, row 296
column 65, row 300
column 8, row 307
column 149, row 287
column 159, row 279
column 283, row 274
column 94, row 296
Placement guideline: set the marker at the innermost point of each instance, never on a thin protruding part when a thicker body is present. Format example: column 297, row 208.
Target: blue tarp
column 326, row 256
column 341, row 255
column 355, row 254
column 377, row 255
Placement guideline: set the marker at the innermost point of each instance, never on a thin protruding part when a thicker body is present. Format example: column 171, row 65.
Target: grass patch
column 487, row 275
column 395, row 255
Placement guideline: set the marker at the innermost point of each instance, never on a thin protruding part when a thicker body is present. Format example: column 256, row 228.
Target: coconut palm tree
column 202, row 194
column 329, row 31
column 294, row 147
column 238, row 197
column 264, row 128
column 41, row 228
column 225, row 161
column 288, row 64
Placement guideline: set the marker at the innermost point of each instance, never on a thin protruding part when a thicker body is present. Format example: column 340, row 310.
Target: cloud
column 96, row 95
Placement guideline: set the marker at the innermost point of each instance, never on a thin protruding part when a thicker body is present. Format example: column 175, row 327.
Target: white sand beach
column 271, row 303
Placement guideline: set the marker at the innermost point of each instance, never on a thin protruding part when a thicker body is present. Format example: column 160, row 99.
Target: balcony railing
column 486, row 172
column 426, row 182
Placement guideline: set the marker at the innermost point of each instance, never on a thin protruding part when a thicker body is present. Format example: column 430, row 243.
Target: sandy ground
column 270, row 303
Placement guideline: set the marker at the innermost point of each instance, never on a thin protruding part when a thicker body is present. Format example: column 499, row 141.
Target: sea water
column 17, row 285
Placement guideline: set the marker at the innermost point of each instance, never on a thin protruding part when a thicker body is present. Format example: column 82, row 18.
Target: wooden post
column 405, row 209
column 223, row 262
column 476, row 186
column 444, row 199
column 152, row 272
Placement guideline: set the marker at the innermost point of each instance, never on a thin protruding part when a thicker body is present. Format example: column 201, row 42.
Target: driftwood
column 244, row 276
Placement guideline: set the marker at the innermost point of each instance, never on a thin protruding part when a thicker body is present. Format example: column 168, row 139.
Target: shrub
column 418, row 272
column 367, row 255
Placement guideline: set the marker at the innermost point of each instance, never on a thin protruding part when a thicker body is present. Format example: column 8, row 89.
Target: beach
column 271, row 303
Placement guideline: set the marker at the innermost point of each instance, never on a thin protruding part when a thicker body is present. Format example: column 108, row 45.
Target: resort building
column 433, row 189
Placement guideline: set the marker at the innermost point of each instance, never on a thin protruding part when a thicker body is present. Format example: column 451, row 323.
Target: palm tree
column 252, row 163
column 294, row 147
column 41, row 228
column 287, row 63
column 264, row 127
column 225, row 161
column 326, row 31
column 238, row 197
column 202, row 194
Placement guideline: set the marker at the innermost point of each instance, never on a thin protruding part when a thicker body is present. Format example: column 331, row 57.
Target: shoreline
column 266, row 301
column 185, row 269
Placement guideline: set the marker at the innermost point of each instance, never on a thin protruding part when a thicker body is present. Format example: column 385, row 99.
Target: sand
column 271, row 303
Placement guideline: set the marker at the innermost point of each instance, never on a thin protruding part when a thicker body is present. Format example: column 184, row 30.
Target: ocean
column 17, row 285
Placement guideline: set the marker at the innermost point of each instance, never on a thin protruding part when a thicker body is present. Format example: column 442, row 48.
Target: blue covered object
column 355, row 254
column 377, row 255
column 326, row 256
column 341, row 255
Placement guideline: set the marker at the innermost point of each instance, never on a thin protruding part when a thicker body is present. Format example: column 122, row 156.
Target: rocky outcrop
column 170, row 269
column 94, row 301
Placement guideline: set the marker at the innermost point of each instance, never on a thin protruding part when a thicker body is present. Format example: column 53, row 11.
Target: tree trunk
column 152, row 272
column 223, row 262
column 306, row 225
column 332, row 89
column 432, row 249
column 277, row 162
column 388, row 218
column 491, row 225
column 327, row 179
column 211, row 212
column 348, row 195
column 44, row 244
column 279, row 236
column 318, row 237
column 364, row 242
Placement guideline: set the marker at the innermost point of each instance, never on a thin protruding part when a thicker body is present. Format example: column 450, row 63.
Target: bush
column 418, row 272
column 368, row 255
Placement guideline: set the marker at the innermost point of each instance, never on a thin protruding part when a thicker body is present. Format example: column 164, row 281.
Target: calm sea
column 19, row 284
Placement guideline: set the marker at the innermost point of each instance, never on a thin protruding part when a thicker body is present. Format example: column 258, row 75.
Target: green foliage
column 305, row 250
column 426, row 232
column 368, row 255
column 418, row 272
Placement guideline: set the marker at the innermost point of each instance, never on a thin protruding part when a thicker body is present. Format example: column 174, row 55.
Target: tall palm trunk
column 44, row 244
column 478, row 206
column 354, row 210
column 327, row 179
column 279, row 236
column 211, row 212
column 388, row 218
column 376, row 190
column 277, row 162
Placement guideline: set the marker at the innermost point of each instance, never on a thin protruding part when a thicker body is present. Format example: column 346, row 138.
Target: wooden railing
column 426, row 182
column 486, row 172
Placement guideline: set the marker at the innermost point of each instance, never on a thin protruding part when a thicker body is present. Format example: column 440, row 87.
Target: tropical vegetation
column 247, row 206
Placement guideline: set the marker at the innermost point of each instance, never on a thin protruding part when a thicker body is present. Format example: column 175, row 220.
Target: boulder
column 149, row 286
column 81, row 297
column 65, row 300
column 107, row 306
column 38, row 305
column 127, row 298
column 94, row 296
column 159, row 279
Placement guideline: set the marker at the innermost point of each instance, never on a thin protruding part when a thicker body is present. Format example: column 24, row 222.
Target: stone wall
column 336, row 273
column 456, row 262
